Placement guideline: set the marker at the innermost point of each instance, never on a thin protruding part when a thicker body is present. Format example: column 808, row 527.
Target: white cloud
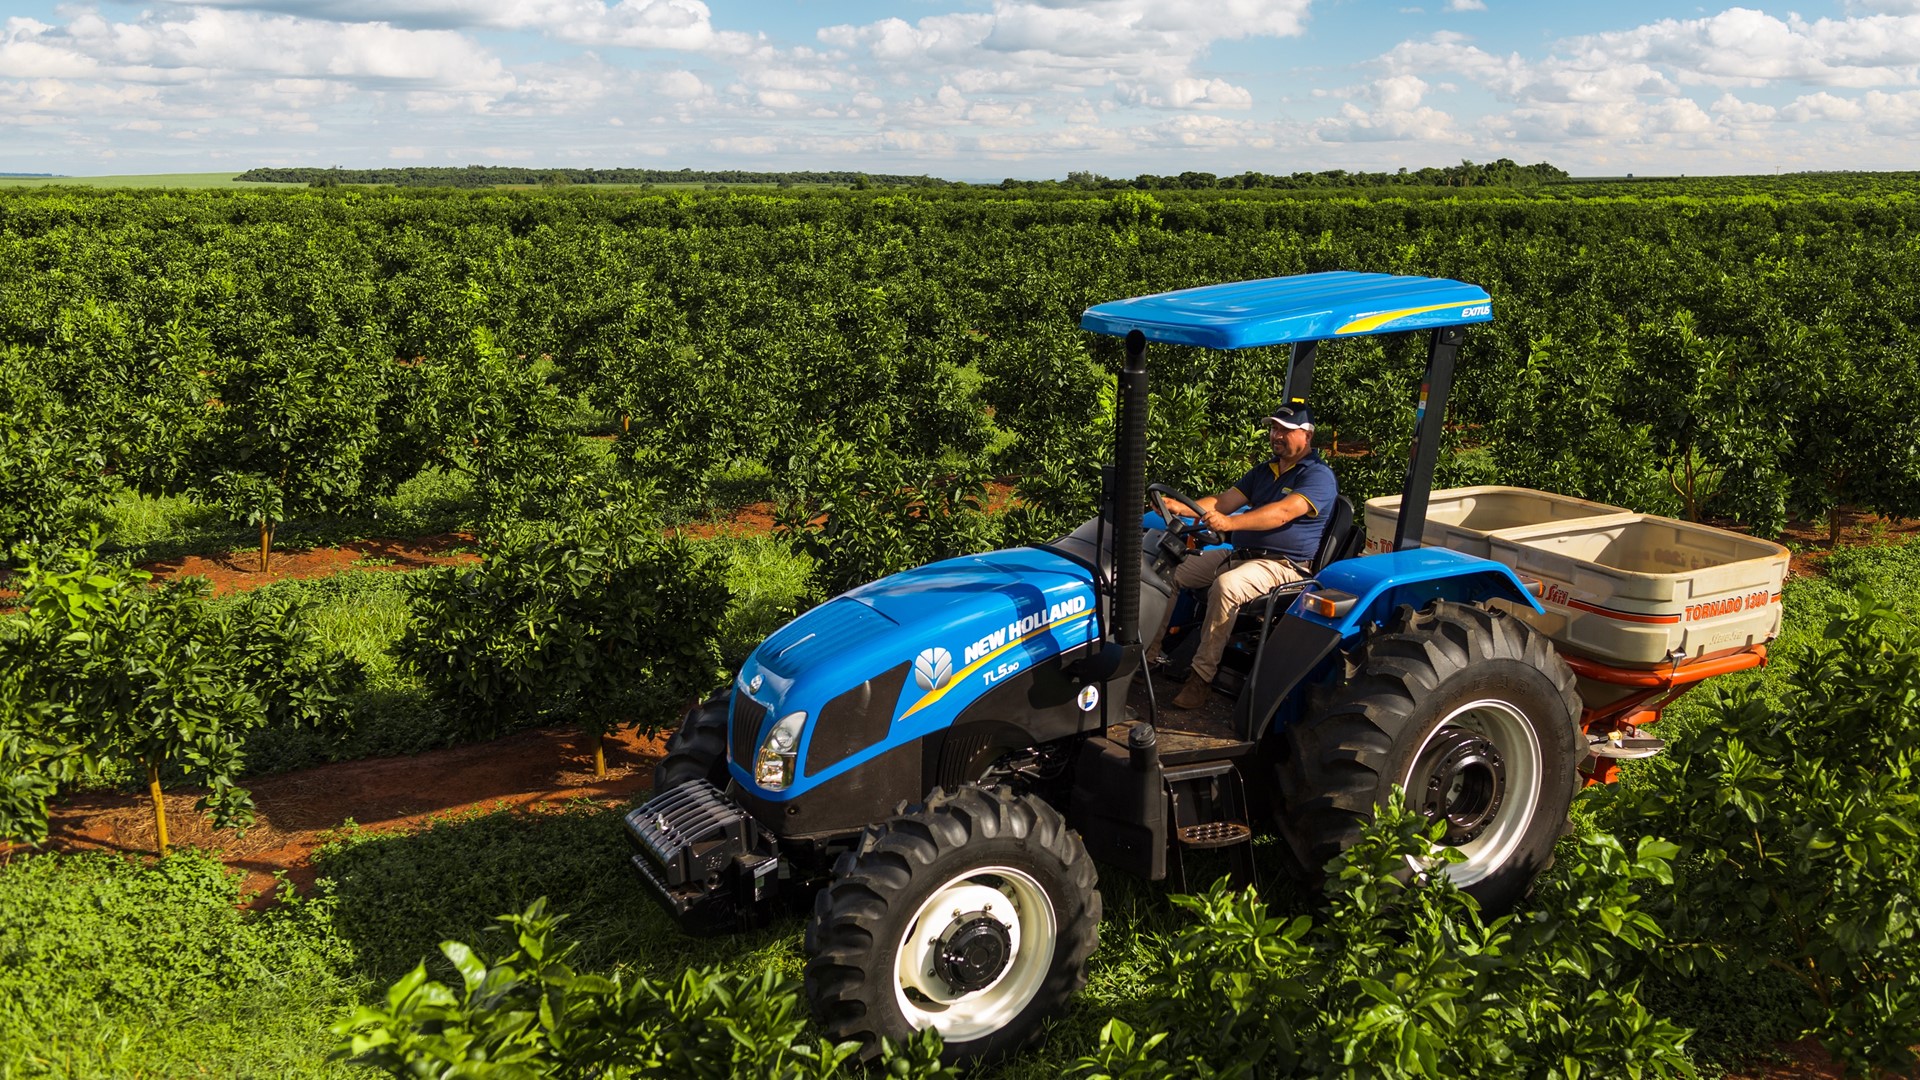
column 1397, row 115
column 684, row 25
column 1466, row 5
column 1824, row 106
column 1744, row 47
column 1633, row 90
column 682, row 85
column 1145, row 51
column 1733, row 110
column 206, row 43
column 751, row 145
column 1895, row 115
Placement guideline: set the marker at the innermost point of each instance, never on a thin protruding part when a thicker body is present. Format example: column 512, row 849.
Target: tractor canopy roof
column 1304, row 307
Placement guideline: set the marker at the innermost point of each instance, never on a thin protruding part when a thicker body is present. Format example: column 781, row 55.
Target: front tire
column 698, row 751
column 1469, row 710
column 973, row 914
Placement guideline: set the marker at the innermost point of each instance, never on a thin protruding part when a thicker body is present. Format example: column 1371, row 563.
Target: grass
column 113, row 968
column 148, row 527
column 146, row 180
column 110, row 966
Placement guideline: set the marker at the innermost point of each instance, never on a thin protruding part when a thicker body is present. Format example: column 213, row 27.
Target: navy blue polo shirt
column 1264, row 484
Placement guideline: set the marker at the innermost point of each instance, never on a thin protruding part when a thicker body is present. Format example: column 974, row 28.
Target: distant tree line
column 482, row 176
column 1503, row 173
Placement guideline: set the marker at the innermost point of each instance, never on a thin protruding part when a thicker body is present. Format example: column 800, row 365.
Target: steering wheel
column 1178, row 527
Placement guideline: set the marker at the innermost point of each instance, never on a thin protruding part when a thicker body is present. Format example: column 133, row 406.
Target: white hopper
column 1636, row 590
column 1460, row 518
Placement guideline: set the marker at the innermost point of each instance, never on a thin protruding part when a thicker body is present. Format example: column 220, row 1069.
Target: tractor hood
column 914, row 649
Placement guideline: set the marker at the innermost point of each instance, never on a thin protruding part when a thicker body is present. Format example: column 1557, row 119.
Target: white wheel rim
column 1519, row 745
column 1014, row 900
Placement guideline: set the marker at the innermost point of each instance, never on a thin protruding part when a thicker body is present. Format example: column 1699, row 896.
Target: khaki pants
column 1235, row 581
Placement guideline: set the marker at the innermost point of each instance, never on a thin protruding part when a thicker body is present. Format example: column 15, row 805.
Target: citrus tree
column 290, row 427
column 599, row 620
column 105, row 672
column 52, row 486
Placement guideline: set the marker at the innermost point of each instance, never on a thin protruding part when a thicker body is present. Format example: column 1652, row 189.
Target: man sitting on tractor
column 1287, row 498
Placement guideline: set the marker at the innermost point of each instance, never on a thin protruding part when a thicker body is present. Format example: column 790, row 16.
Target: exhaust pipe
column 1119, row 655
column 1129, row 491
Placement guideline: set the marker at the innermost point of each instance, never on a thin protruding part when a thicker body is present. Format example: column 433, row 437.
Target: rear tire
column 973, row 914
column 1474, row 714
column 698, row 751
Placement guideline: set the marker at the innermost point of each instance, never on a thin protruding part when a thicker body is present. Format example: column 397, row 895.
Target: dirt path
column 240, row 570
column 295, row 811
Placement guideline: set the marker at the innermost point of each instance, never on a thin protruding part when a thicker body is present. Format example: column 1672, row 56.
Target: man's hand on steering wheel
column 1216, row 522
column 1205, row 532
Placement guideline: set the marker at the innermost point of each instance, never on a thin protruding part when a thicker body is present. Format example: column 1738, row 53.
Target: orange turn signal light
column 1532, row 584
column 1328, row 603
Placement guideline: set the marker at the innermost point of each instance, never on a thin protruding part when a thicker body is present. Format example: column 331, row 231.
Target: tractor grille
column 748, row 715
column 855, row 720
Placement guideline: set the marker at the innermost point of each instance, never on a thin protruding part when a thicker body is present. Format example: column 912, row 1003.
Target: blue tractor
column 936, row 760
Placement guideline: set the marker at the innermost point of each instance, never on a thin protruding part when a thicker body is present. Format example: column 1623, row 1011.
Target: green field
column 582, row 383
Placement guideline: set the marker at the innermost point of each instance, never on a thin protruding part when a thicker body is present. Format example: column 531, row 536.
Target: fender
column 1301, row 647
column 1414, row 577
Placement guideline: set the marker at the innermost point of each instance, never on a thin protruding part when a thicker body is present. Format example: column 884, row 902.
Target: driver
column 1274, row 542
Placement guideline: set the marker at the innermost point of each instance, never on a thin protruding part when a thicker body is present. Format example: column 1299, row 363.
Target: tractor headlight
column 773, row 766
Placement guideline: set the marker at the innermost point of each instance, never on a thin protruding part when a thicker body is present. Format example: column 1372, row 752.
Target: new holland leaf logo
column 932, row 668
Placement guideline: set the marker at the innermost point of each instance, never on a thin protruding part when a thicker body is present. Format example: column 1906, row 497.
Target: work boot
column 1192, row 695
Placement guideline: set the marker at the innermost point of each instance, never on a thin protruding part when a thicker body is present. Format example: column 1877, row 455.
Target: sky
column 962, row 89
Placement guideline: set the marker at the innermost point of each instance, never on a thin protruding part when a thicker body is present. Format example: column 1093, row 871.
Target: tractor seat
column 1342, row 540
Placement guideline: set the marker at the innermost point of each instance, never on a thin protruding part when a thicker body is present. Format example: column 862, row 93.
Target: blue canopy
column 1304, row 307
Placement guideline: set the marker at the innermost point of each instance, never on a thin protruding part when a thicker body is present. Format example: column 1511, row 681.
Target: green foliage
column 530, row 1014
column 383, row 709
column 1401, row 976
column 131, row 676
column 863, row 515
column 599, row 621
column 313, row 349
column 1800, row 830
column 491, row 416
column 274, row 641
column 770, row 583
column 51, row 485
column 289, row 430
column 110, row 967
column 104, row 671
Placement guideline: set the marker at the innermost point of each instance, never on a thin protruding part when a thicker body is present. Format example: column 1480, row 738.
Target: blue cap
column 1292, row 416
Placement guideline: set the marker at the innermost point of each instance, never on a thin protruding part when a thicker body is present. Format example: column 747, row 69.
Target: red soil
column 240, row 570
column 1857, row 529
